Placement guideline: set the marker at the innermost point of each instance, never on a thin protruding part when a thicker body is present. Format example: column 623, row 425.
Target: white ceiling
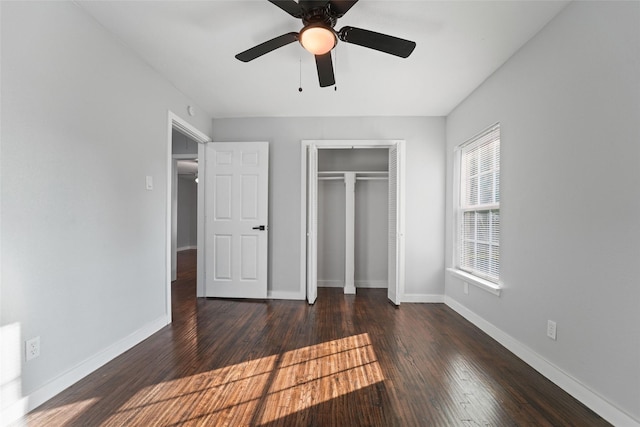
column 193, row 44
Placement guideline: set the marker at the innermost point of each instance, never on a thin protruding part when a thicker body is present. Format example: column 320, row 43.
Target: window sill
column 486, row 285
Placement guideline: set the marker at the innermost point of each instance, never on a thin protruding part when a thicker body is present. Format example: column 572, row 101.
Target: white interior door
column 393, row 214
column 395, row 288
column 312, row 225
column 236, row 219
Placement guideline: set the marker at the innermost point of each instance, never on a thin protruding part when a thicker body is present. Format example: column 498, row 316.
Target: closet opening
column 353, row 224
column 353, row 216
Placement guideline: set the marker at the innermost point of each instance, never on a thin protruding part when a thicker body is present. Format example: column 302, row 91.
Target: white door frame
column 176, row 122
column 349, row 144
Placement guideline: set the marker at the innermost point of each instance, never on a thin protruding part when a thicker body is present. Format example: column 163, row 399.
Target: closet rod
column 358, row 178
column 371, row 178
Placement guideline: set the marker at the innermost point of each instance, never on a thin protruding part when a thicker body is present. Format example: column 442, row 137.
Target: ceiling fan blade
column 312, row 4
column 289, row 6
column 266, row 47
column 340, row 7
column 377, row 41
column 324, row 64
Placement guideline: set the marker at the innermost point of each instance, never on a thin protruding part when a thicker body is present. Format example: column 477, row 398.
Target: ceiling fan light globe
column 318, row 39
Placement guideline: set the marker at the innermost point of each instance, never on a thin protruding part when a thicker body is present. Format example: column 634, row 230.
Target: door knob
column 260, row 227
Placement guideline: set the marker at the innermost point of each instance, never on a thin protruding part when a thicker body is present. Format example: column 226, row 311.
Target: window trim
column 491, row 287
column 480, row 282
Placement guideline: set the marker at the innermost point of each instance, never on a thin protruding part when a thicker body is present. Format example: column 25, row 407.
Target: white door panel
column 235, row 209
column 395, row 288
column 393, row 227
column 312, row 225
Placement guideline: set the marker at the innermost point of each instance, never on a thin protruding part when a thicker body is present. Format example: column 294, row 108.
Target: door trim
column 349, row 144
column 176, row 122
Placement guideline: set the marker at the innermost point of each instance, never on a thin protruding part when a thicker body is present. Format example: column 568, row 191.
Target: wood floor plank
column 348, row 360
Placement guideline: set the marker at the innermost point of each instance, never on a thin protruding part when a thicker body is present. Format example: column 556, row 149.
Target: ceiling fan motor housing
column 319, row 16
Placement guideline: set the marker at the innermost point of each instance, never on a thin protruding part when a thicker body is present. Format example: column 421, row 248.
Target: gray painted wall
column 83, row 247
column 331, row 229
column 569, row 107
column 371, row 159
column 424, row 191
column 187, row 212
column 372, row 233
column 182, row 144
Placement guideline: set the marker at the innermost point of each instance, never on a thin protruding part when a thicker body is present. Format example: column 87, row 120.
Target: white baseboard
column 371, row 284
column 575, row 388
column 75, row 374
column 359, row 284
column 330, row 283
column 422, row 298
column 186, row 248
column 288, row 295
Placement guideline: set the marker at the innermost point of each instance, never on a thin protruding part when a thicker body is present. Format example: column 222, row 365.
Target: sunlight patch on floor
column 258, row 391
column 228, row 393
column 319, row 373
column 62, row 414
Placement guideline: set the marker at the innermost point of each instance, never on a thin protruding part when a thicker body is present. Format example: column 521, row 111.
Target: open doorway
column 187, row 209
column 186, row 241
column 184, row 196
column 184, row 202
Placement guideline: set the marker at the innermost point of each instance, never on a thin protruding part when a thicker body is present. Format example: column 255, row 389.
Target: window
column 478, row 219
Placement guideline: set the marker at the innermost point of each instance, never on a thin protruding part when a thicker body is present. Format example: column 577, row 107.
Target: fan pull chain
column 300, row 77
column 335, row 86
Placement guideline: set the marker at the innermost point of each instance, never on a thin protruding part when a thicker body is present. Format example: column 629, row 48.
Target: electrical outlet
column 551, row 329
column 32, row 348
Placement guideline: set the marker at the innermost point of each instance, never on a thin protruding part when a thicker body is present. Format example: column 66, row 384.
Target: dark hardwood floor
column 346, row 361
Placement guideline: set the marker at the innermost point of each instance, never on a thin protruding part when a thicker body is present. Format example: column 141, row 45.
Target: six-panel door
column 236, row 219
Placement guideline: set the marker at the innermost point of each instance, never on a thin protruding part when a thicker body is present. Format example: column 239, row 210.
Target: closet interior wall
column 370, row 245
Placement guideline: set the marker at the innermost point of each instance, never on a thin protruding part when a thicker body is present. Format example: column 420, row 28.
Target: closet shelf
column 360, row 175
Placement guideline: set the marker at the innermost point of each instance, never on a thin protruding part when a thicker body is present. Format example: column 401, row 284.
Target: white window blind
column 478, row 249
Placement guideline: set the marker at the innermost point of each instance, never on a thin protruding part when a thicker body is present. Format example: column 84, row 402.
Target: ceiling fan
column 319, row 37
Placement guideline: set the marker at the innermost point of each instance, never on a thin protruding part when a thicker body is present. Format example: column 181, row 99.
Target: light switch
column 149, row 182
